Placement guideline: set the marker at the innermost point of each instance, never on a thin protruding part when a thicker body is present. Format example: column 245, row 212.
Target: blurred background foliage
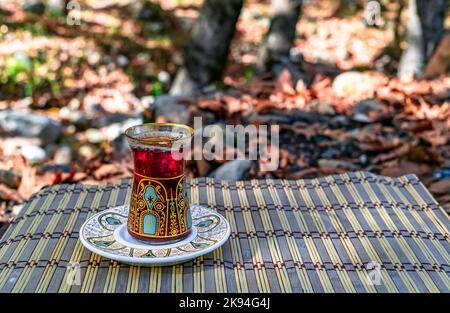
column 75, row 74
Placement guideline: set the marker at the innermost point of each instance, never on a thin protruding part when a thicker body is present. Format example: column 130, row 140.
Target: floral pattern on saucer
column 98, row 234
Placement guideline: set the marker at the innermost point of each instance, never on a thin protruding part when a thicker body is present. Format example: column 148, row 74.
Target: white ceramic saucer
column 106, row 234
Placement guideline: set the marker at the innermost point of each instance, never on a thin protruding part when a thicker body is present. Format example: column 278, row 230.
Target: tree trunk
column 424, row 32
column 440, row 61
column 206, row 55
column 281, row 34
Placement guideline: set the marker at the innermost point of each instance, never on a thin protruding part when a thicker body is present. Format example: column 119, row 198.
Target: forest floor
column 68, row 92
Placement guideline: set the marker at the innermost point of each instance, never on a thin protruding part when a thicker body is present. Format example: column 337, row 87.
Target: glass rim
column 188, row 128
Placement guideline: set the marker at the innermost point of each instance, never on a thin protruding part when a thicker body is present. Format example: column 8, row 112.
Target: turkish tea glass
column 159, row 206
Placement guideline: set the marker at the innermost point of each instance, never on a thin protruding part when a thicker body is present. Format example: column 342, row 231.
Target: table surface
column 355, row 232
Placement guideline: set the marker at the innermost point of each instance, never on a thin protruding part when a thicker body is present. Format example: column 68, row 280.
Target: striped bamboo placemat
column 332, row 234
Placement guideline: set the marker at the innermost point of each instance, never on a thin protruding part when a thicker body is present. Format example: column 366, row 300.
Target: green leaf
column 157, row 89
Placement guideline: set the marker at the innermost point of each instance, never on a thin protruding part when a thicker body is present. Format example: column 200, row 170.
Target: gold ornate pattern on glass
column 106, row 234
column 157, row 211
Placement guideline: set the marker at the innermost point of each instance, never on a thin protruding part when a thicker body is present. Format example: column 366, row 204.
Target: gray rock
column 352, row 83
column 94, row 135
column 34, row 6
column 94, row 110
column 18, row 123
column 106, row 119
column 363, row 159
column 78, row 119
column 327, row 163
column 63, row 168
column 183, row 84
column 367, row 106
column 63, row 155
column 164, row 77
column 295, row 55
column 322, row 107
column 339, row 121
column 55, row 5
column 170, row 109
column 362, row 118
column 120, row 145
column 269, row 118
column 146, row 102
column 10, row 178
column 122, row 60
column 115, row 130
column 88, row 152
column 12, row 145
column 233, row 170
column 276, row 116
column 33, row 154
column 365, row 111
column 155, row 27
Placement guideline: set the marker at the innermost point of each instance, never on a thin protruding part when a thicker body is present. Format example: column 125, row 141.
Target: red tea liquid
column 159, row 209
column 160, row 160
